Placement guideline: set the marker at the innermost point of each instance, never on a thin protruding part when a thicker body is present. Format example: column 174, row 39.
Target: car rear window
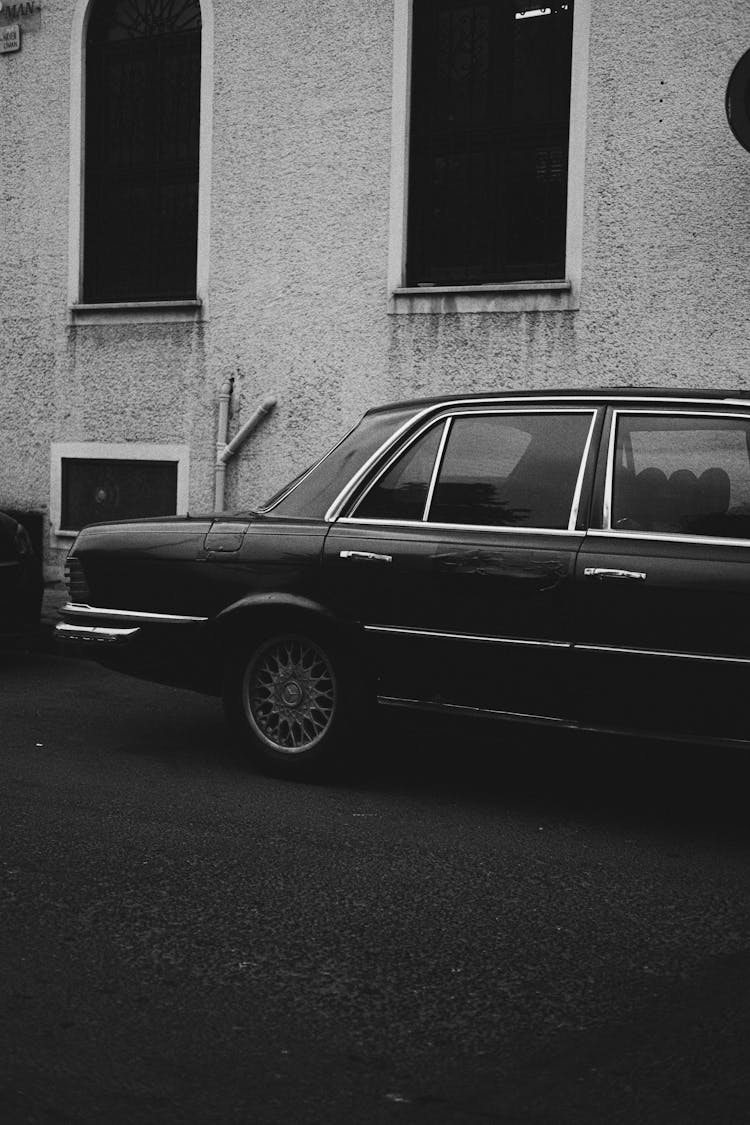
column 311, row 493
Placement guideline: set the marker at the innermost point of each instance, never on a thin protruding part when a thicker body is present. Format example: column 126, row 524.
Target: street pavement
column 461, row 926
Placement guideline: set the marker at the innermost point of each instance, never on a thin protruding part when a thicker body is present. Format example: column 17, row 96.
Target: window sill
column 500, row 297
column 136, row 312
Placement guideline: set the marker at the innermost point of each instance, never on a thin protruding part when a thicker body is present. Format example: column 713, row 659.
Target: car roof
column 555, row 393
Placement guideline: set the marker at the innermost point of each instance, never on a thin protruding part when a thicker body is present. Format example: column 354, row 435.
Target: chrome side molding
column 133, row 616
column 476, row 638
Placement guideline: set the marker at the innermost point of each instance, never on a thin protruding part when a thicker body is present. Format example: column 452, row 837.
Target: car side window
column 401, row 493
column 685, row 475
column 510, row 470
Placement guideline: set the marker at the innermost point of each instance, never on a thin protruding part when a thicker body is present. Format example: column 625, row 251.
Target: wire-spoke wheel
column 289, row 693
column 285, row 699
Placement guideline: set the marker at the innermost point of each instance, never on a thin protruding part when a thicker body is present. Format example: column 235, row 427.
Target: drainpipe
column 220, row 468
column 225, row 452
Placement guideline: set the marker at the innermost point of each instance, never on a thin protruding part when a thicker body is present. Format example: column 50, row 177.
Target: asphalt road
column 461, row 927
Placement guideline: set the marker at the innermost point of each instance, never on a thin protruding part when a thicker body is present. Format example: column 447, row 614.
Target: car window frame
column 607, row 493
column 446, row 416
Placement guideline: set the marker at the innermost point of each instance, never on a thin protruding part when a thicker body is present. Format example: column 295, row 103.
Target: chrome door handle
column 606, row 572
column 365, row 556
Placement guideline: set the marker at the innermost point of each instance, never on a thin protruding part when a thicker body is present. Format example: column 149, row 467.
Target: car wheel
column 287, row 700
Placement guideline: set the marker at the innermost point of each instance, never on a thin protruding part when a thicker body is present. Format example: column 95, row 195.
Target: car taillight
column 78, row 589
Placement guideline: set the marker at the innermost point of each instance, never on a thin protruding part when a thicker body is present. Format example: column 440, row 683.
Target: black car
column 577, row 559
column 21, row 583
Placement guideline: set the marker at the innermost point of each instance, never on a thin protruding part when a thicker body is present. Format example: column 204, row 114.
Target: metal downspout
column 225, row 451
column 220, row 468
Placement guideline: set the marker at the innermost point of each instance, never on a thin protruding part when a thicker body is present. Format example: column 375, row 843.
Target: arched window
column 143, row 61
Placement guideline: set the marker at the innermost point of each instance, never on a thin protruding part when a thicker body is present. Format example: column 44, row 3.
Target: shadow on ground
column 541, row 773
column 562, row 775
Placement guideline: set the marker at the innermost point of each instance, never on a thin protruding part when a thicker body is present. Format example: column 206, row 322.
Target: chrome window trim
column 672, row 537
column 474, row 409
column 610, row 472
column 602, row 399
column 448, row 425
column 372, row 522
column 581, row 473
column 660, row 412
column 670, row 654
column 80, row 609
column 478, row 638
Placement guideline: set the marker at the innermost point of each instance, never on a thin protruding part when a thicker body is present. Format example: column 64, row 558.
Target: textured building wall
column 299, row 239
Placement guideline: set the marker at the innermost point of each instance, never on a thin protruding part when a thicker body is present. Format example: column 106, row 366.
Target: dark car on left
column 21, row 582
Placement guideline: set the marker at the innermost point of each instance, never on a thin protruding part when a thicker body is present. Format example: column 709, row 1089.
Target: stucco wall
column 299, row 239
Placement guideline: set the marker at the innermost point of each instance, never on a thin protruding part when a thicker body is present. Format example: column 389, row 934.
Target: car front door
column 458, row 560
column 663, row 584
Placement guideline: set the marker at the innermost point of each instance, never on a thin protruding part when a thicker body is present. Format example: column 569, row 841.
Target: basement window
column 93, row 482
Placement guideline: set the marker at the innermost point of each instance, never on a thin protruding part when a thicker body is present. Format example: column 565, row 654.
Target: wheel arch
column 242, row 629
column 257, row 612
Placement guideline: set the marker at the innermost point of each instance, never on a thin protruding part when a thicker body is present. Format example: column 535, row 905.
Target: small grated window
column 95, row 489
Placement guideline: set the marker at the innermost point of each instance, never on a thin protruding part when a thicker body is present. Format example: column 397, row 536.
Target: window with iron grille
column 141, row 150
column 488, row 158
column 96, row 489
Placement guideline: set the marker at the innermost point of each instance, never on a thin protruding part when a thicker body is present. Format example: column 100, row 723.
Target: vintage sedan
column 577, row 559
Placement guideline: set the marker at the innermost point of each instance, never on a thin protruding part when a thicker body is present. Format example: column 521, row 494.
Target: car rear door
column 457, row 559
column 663, row 582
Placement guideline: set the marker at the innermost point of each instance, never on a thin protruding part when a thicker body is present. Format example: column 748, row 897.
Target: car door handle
column 606, row 572
column 365, row 556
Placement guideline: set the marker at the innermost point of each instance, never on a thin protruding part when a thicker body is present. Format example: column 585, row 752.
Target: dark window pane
column 687, row 476
column 401, row 493
column 142, row 139
column 106, row 489
column 510, row 470
column 489, row 140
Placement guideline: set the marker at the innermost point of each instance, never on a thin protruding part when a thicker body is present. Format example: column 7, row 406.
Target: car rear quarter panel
column 166, row 568
column 277, row 558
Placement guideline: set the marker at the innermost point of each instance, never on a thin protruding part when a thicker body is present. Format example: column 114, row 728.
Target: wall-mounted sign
column 9, row 11
column 28, row 14
column 738, row 101
column 10, row 39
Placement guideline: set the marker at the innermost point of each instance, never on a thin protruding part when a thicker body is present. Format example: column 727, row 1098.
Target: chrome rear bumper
column 105, row 626
column 95, row 634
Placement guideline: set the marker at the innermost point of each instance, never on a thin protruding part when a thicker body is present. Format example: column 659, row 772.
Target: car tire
column 289, row 700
